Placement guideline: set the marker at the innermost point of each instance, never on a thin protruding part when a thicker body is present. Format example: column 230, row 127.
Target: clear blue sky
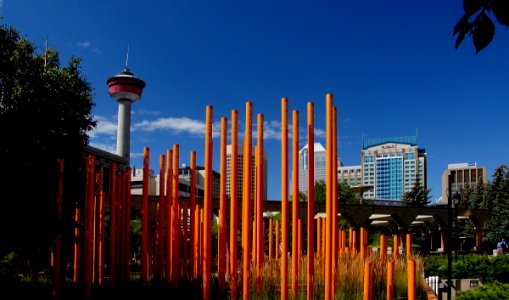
column 391, row 66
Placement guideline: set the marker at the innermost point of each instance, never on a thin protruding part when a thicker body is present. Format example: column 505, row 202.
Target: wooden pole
column 234, row 205
column 207, row 206
column 284, row 198
column 311, row 201
column 221, row 245
column 246, row 200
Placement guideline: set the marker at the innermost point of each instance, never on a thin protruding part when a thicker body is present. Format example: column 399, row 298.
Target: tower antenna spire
column 127, row 58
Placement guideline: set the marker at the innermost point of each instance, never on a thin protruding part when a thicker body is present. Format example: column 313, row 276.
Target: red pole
column 192, row 208
column 88, row 234
column 169, row 220
column 175, row 217
column 76, row 263
column 221, row 228
column 100, row 230
column 233, row 205
column 144, row 219
column 284, row 198
column 311, row 200
column 295, row 200
column 113, row 220
column 207, row 204
column 58, row 240
column 127, row 222
column 247, row 198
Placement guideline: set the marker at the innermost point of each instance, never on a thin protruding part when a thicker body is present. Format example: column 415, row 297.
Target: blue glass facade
column 389, row 177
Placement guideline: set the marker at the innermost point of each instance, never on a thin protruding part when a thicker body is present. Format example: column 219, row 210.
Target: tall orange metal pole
column 175, row 232
column 295, row 200
column 207, row 205
column 271, row 238
column 318, row 237
column 411, row 289
column 113, row 220
column 221, row 228
column 144, row 219
column 409, row 245
column 127, row 218
column 368, row 281
column 192, row 216
column 100, row 232
column 233, row 205
column 88, row 232
column 383, row 246
column 197, row 248
column 259, row 201
column 168, row 206
column 246, row 200
column 76, row 257
column 58, row 239
column 278, row 240
column 328, row 200
column 311, row 200
column 390, row 280
column 160, row 220
column 334, row 225
column 284, row 198
column 395, row 251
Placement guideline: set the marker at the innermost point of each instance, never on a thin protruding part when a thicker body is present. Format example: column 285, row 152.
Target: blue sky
column 391, row 66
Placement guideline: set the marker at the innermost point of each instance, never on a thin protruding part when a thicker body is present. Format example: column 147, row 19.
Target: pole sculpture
column 168, row 205
column 144, row 219
column 221, row 259
column 88, row 234
column 207, row 205
column 328, row 200
column 58, row 239
column 295, row 200
column 271, row 238
column 175, row 232
column 113, row 224
column 233, row 205
column 311, row 201
column 278, row 241
column 192, row 215
column 246, row 200
column 284, row 198
column 260, row 252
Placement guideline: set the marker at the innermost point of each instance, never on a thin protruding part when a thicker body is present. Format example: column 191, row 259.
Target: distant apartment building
column 319, row 169
column 240, row 168
column 352, row 175
column 184, row 182
column 462, row 175
column 392, row 165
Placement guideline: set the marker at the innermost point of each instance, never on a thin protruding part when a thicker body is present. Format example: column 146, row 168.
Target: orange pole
column 409, row 245
column 76, row 263
column 113, row 220
column 277, row 240
column 160, row 221
column 343, row 239
column 324, row 223
column 368, row 281
column 311, row 201
column 259, row 199
column 412, row 294
column 184, row 244
column 207, row 205
column 233, row 204
column 100, row 236
column 390, row 280
column 284, row 198
column 192, row 215
column 295, row 200
column 318, row 236
column 299, row 238
column 246, row 200
column 383, row 246
column 127, row 222
column 169, row 220
column 221, row 228
column 355, row 243
column 328, row 200
column 175, row 217
column 196, row 249
column 58, row 239
column 395, row 251
column 144, row 219
column 88, row 233
column 271, row 237
column 362, row 232
column 253, row 248
column 334, row 175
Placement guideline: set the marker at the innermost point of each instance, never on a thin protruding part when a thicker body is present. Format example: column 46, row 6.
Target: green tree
column 417, row 196
column 45, row 114
column 498, row 193
column 345, row 193
column 477, row 21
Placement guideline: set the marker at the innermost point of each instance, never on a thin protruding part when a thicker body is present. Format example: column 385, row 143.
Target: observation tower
column 126, row 89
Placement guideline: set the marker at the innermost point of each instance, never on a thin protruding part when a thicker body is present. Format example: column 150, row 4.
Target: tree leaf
column 460, row 25
column 460, row 38
column 483, row 33
column 471, row 6
column 501, row 11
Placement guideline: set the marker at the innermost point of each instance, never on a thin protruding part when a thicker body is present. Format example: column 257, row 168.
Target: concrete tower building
column 126, row 89
column 463, row 175
column 319, row 170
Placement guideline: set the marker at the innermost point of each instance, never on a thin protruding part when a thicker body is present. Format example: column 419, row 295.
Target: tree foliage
column 45, row 114
column 418, row 196
column 345, row 193
column 477, row 21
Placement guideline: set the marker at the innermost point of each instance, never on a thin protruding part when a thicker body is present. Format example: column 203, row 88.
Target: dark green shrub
column 495, row 290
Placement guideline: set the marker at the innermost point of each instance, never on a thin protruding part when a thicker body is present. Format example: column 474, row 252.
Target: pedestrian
column 501, row 246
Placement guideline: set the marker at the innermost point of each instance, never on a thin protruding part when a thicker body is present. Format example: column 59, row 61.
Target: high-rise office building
column 352, row 175
column 303, row 166
column 240, row 164
column 462, row 175
column 392, row 165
